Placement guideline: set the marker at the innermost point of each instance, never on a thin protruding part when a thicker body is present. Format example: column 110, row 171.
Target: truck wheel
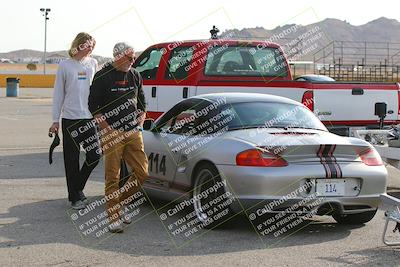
column 358, row 218
column 210, row 198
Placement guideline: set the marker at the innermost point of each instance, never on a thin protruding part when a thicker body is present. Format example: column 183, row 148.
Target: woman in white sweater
column 70, row 104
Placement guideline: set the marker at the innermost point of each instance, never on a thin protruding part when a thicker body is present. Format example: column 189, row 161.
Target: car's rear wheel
column 210, row 199
column 358, row 218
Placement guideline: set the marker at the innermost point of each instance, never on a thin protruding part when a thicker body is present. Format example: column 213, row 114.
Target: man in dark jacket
column 118, row 104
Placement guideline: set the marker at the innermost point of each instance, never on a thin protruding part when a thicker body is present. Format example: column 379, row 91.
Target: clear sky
column 146, row 22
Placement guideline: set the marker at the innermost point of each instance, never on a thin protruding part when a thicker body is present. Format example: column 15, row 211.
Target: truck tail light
column 369, row 156
column 308, row 99
column 398, row 102
column 259, row 158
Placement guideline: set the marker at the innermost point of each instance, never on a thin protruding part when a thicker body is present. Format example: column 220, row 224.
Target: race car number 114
column 159, row 165
column 331, row 187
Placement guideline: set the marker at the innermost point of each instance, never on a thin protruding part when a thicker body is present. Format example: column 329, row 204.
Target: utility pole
column 45, row 12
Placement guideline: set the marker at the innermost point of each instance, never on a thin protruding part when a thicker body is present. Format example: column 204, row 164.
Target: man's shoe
column 115, row 227
column 127, row 219
column 78, row 205
column 85, row 201
column 83, row 198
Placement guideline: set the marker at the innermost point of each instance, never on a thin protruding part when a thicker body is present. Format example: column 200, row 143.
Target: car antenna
column 214, row 32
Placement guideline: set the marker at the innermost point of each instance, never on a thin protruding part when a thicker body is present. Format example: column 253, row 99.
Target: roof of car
column 246, row 97
column 206, row 42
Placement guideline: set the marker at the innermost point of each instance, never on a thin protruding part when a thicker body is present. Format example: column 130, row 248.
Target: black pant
column 77, row 133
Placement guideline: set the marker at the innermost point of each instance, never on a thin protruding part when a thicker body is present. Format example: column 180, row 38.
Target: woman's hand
column 54, row 127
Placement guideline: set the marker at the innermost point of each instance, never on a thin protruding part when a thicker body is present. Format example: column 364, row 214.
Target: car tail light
column 308, row 100
column 259, row 158
column 369, row 156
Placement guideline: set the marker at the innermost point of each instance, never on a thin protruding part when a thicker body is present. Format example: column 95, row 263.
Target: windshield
column 271, row 115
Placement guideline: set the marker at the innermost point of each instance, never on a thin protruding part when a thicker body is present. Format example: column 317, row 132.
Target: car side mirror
column 380, row 111
column 148, row 124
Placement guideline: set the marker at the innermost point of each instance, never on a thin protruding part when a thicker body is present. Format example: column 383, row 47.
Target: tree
column 31, row 66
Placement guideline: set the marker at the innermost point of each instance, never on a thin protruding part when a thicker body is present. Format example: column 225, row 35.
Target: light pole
column 45, row 12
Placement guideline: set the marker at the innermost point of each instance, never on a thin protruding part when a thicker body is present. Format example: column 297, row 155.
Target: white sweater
column 71, row 89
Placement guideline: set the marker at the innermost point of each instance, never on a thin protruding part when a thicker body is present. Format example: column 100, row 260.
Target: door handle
column 357, row 91
column 325, row 113
column 153, row 91
column 185, row 92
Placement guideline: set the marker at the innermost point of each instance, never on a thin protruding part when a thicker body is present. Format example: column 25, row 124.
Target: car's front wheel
column 358, row 218
column 211, row 201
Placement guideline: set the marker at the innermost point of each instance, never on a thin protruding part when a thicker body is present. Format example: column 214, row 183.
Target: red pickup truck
column 177, row 70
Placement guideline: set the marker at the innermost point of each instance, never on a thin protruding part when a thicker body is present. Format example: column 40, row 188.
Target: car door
column 177, row 83
column 186, row 139
column 166, row 142
column 162, row 162
column 161, row 143
column 148, row 64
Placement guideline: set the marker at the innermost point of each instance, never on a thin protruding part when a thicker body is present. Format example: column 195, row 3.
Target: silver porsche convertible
column 260, row 154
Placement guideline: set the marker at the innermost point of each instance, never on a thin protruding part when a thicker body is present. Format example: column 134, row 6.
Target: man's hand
column 101, row 122
column 140, row 118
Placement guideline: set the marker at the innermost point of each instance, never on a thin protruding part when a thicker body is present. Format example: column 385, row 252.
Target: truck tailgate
column 355, row 102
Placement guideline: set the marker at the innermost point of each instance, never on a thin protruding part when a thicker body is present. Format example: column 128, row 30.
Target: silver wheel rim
column 203, row 176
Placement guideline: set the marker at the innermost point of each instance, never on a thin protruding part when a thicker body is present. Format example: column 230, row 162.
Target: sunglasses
column 130, row 58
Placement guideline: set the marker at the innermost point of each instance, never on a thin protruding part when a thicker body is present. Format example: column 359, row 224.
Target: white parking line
column 8, row 118
column 23, row 148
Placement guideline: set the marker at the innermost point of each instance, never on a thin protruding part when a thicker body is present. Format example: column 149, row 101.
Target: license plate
column 330, row 187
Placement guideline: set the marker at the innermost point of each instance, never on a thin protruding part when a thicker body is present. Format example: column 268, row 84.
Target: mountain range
column 375, row 42
column 381, row 30
column 378, row 30
column 27, row 55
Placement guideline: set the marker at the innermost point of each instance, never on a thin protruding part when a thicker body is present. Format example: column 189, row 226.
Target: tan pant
column 128, row 146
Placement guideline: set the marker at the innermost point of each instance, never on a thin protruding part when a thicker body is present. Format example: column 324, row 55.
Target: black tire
column 206, row 177
column 358, row 218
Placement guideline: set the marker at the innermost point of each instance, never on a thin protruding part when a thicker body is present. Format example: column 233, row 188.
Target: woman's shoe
column 115, row 227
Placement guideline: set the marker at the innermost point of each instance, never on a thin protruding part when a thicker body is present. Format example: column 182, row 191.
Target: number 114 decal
column 159, row 165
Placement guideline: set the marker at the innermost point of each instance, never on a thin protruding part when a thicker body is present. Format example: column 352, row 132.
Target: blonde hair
column 80, row 40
